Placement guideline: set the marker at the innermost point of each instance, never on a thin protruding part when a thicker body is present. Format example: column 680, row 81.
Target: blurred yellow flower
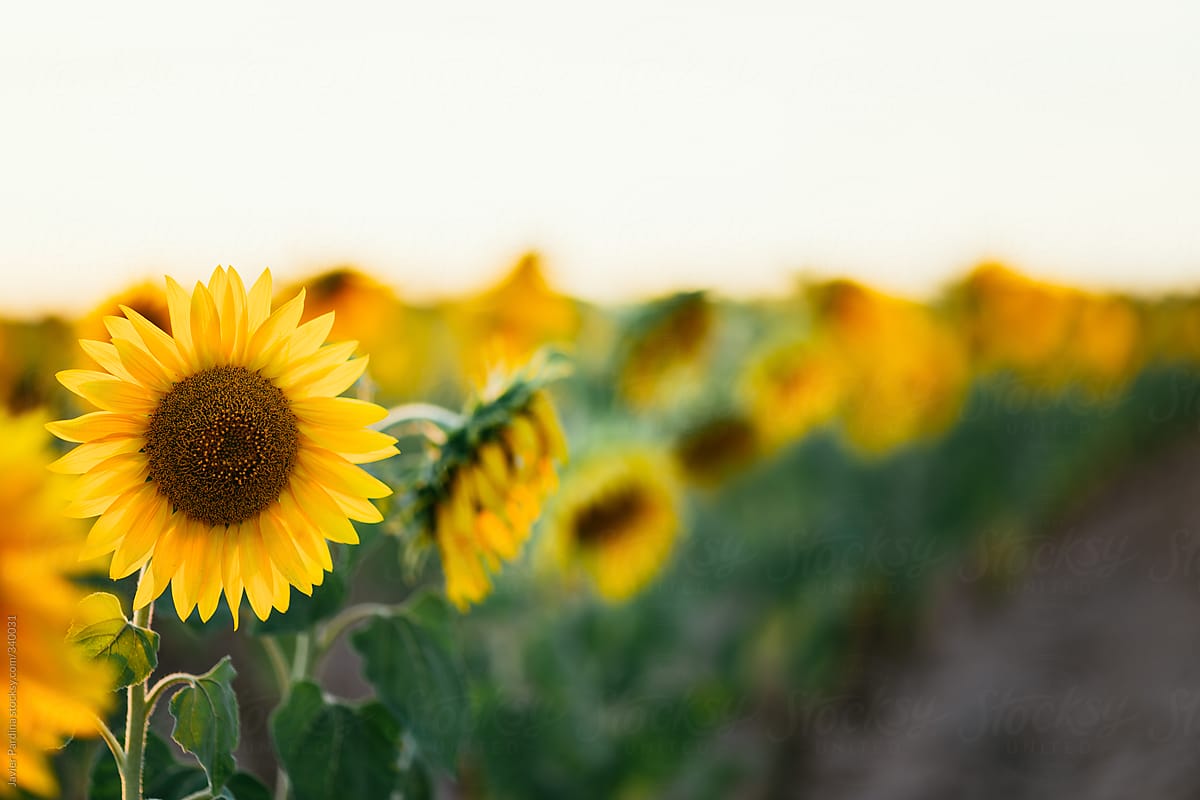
column 717, row 448
column 1016, row 323
column 1104, row 350
column 1172, row 329
column 905, row 371
column 369, row 313
column 501, row 327
column 664, row 349
column 148, row 298
column 617, row 518
column 26, row 347
column 58, row 693
column 485, row 489
column 792, row 388
column 222, row 458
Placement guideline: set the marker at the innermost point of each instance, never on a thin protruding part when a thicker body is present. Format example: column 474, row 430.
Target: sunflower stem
column 418, row 413
column 278, row 664
column 114, row 746
column 165, row 684
column 300, row 657
column 345, row 620
column 136, row 721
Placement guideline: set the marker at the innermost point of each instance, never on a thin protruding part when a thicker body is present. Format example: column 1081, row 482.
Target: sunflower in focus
column 59, row 693
column 485, row 489
column 222, row 457
column 617, row 518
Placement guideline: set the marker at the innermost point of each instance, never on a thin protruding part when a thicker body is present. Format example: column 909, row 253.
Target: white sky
column 640, row 145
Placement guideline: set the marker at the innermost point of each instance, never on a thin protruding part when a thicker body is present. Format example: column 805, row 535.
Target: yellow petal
column 104, row 354
column 309, row 542
column 138, row 545
column 255, row 569
column 311, row 500
column 282, row 552
column 270, row 340
column 333, row 381
column 258, row 303
column 114, row 394
column 88, row 455
column 347, row 440
column 332, row 471
column 231, row 577
column 308, row 337
column 98, row 425
column 206, row 327
column 337, row 412
column 316, row 364
column 210, row 579
column 179, row 304
column 356, row 508
column 108, row 531
column 72, row 379
column 142, row 366
column 150, row 586
column 159, row 343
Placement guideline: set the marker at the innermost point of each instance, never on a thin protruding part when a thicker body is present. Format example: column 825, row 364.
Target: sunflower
column 716, row 449
column 485, row 489
column 906, row 371
column 504, row 325
column 665, row 348
column 58, row 692
column 792, row 388
column 617, row 518
column 222, row 458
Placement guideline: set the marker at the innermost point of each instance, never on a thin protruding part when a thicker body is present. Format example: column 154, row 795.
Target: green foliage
column 206, row 721
column 335, row 750
column 163, row 777
column 409, row 659
column 104, row 633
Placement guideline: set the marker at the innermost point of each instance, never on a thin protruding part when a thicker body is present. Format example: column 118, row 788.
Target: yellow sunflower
column 485, row 489
column 617, row 518
column 222, row 458
column 58, row 693
column 792, row 388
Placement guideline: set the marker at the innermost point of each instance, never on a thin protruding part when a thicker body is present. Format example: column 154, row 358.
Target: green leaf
column 103, row 632
column 162, row 775
column 304, row 611
column 409, row 660
column 331, row 749
column 206, row 721
column 244, row 786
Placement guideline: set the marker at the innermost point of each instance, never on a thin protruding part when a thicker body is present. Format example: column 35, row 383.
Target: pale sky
column 640, row 145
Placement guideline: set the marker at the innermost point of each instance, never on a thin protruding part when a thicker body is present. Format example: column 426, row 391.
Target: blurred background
column 884, row 325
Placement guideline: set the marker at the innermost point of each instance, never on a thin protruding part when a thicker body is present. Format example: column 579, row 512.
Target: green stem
column 278, row 664
column 420, row 414
column 136, row 721
column 203, row 794
column 114, row 746
column 160, row 688
column 300, row 662
column 345, row 620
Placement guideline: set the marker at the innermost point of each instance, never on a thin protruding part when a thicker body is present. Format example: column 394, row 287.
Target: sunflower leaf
column 409, row 659
column 331, row 749
column 206, row 722
column 103, row 632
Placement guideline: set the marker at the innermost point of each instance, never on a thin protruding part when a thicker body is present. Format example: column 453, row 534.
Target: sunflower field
column 315, row 541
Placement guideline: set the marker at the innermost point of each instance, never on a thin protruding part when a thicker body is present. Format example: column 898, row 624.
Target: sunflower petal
column 88, row 455
column 332, row 471
column 337, row 411
column 282, row 552
column 98, row 425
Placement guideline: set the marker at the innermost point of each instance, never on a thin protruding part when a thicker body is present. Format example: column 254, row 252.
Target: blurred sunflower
column 1172, row 329
column 222, row 458
column 503, row 326
column 58, row 693
column 664, row 348
column 368, row 312
column 716, row 448
column 792, row 388
column 148, row 298
column 484, row 490
column 617, row 518
column 906, row 372
column 1105, row 348
column 1016, row 323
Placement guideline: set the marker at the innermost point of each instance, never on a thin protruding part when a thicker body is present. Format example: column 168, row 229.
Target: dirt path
column 1083, row 681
